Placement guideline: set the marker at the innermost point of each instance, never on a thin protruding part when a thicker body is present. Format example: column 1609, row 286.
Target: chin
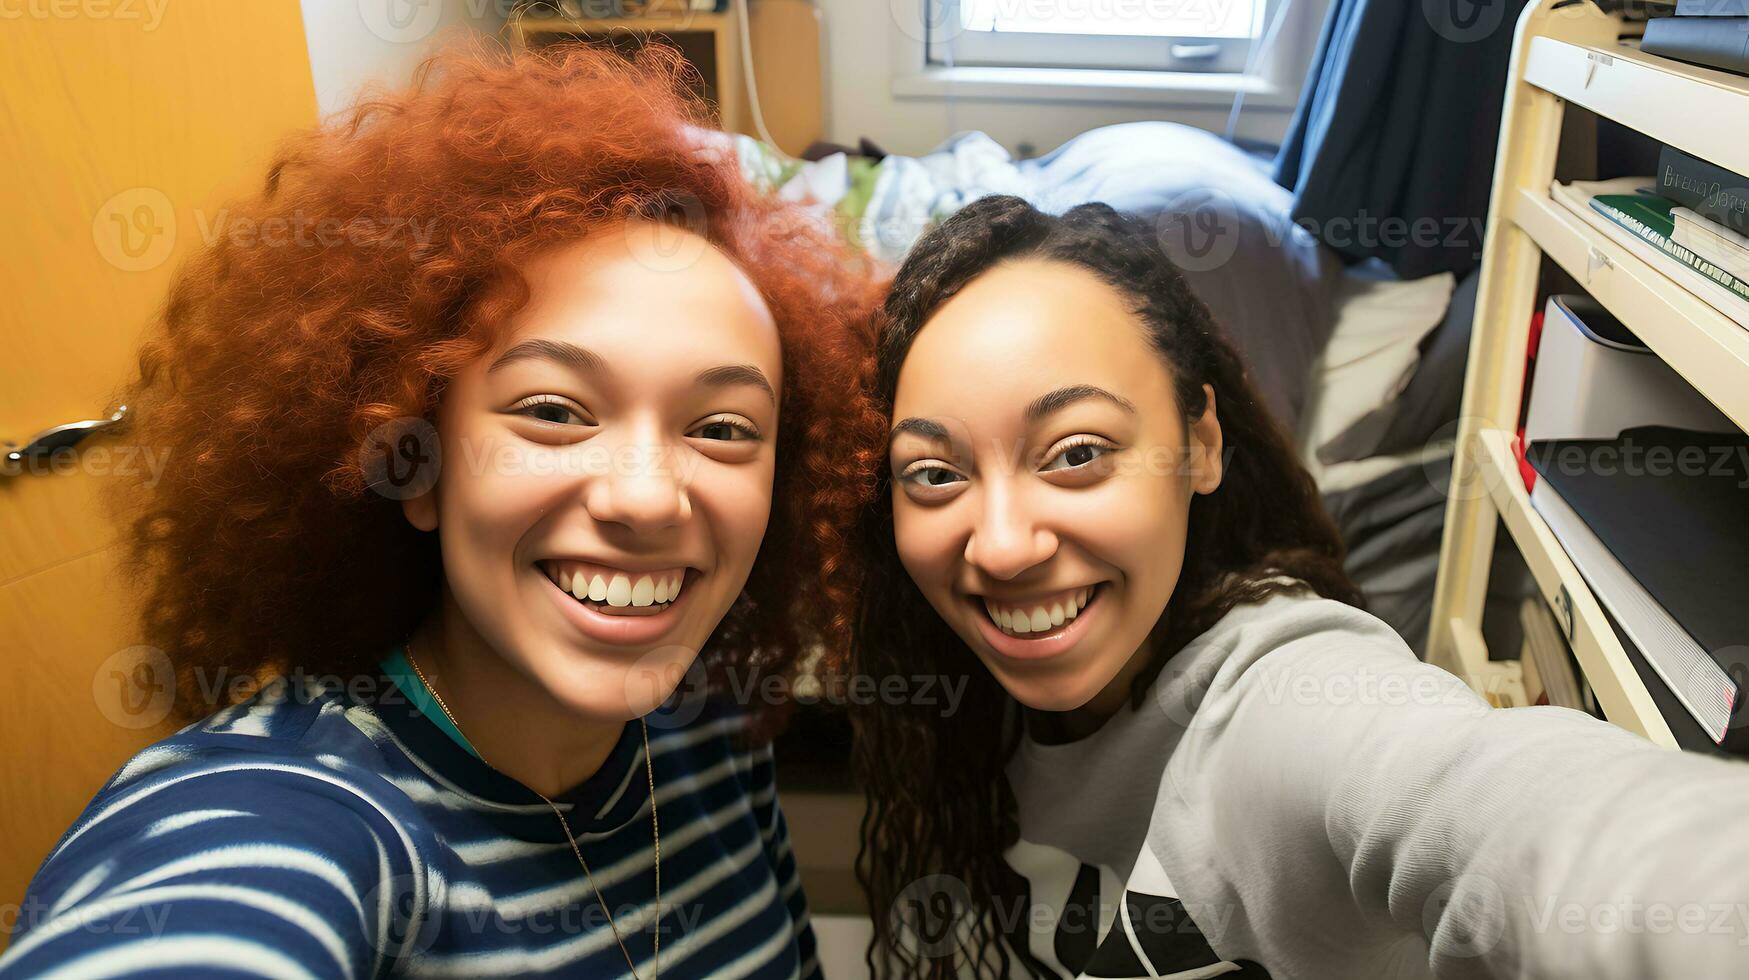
column 607, row 688
column 1048, row 693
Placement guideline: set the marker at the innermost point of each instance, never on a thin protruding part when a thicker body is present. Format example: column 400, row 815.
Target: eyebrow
column 927, row 428
column 1068, row 395
column 564, row 353
column 730, row 375
column 587, row 361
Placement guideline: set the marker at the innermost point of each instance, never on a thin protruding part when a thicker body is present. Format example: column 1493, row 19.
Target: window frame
column 955, row 48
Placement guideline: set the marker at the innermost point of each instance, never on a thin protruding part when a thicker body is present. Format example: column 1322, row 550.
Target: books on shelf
column 1640, row 221
column 1548, row 660
column 1657, row 521
column 1716, row 193
column 1713, row 241
column 1716, row 42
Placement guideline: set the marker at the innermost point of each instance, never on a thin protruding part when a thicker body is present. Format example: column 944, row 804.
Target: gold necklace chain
column 655, row 831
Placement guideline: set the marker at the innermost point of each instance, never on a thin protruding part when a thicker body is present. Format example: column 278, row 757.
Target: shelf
column 653, row 24
column 1709, row 349
column 1698, row 110
column 1608, row 669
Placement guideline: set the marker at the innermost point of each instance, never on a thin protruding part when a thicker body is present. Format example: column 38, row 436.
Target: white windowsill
column 1092, row 85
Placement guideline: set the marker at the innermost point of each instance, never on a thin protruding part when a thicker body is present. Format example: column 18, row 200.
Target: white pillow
column 1372, row 353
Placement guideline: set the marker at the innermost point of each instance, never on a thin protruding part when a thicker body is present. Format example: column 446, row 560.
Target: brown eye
column 1077, row 456
column 726, row 430
column 930, row 477
column 551, row 410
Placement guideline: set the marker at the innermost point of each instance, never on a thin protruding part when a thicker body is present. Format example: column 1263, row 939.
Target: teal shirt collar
column 400, row 670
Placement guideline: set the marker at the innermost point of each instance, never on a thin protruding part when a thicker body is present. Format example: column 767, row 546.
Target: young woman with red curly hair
column 474, row 448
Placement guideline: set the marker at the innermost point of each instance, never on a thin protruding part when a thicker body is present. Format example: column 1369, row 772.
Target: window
column 1135, row 35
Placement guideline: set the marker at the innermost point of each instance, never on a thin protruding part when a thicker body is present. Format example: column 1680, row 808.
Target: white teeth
column 619, row 591
column 662, row 593
column 564, row 579
column 1040, row 618
column 644, row 592
column 579, row 588
column 597, row 588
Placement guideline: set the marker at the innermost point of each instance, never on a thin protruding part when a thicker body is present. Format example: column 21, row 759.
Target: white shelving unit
column 1571, row 52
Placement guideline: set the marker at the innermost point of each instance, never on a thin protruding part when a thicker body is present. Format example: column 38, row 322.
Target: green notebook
column 1648, row 217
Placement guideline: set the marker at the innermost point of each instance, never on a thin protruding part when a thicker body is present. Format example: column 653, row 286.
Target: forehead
column 1022, row 329
column 645, row 295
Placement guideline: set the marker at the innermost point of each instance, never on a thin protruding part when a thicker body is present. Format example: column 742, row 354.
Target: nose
column 1007, row 539
column 642, row 490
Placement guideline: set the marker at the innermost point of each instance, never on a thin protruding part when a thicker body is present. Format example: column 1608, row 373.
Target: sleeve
column 775, row 833
column 223, row 872
column 1344, row 809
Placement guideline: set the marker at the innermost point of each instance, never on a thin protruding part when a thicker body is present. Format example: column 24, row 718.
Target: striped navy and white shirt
column 312, row 832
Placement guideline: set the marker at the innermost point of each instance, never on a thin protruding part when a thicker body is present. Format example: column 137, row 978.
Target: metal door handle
column 1195, row 52
column 51, row 441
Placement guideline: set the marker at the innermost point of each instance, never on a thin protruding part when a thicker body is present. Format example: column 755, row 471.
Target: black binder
column 1672, row 507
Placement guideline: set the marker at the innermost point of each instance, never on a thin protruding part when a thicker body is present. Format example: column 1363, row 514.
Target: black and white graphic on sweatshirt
column 1080, row 920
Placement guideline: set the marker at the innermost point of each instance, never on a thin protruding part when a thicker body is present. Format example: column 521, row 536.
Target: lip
column 1044, row 648
column 619, row 630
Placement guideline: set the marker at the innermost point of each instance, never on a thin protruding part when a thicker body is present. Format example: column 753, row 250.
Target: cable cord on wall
column 747, row 71
column 1258, row 51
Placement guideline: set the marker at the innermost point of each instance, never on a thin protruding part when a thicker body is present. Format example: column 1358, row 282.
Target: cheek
column 492, row 491
column 738, row 502
column 1143, row 532
column 927, row 542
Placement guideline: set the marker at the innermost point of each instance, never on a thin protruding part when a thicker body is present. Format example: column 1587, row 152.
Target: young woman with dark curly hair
column 519, row 427
column 1184, row 750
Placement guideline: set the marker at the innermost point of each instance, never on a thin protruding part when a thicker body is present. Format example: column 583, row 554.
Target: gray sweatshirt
column 1300, row 797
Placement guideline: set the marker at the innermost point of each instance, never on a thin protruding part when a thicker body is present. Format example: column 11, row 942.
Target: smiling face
column 1042, row 479
column 607, row 468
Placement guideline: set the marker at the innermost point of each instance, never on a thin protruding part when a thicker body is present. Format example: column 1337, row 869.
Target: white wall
column 859, row 36
column 353, row 42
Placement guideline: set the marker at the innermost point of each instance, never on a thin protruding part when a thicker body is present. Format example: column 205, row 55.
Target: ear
column 1205, row 446
column 421, row 510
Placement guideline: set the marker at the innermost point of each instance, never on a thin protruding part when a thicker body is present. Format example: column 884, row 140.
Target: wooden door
column 124, row 127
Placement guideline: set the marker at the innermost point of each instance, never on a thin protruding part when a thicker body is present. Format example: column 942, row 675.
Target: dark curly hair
column 262, row 549
column 938, row 800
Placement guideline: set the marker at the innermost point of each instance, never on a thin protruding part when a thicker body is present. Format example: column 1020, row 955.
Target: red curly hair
column 385, row 261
